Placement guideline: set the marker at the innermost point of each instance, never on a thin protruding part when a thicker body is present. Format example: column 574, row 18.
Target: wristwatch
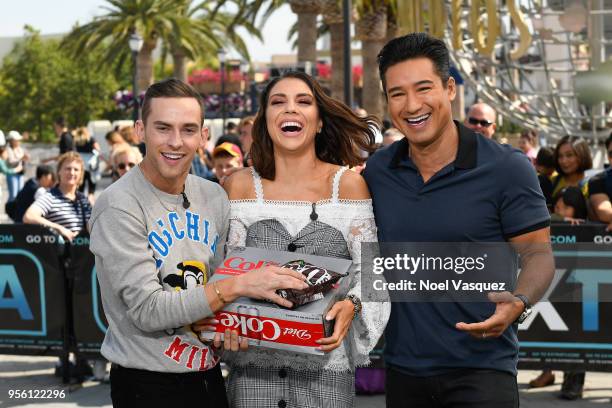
column 526, row 311
column 356, row 305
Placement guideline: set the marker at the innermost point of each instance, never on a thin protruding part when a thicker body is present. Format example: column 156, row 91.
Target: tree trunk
column 336, row 32
column 307, row 11
column 179, row 69
column 372, row 94
column 391, row 31
column 333, row 17
column 372, row 30
column 145, row 64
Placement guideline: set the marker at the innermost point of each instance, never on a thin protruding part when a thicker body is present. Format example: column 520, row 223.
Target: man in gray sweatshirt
column 157, row 235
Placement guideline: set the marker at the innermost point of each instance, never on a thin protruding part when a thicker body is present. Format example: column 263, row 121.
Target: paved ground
column 36, row 373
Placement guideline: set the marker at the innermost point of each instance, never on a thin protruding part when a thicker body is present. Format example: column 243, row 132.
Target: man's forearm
column 537, row 270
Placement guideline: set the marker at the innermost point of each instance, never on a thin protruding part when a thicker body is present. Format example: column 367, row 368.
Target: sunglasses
column 482, row 122
column 123, row 166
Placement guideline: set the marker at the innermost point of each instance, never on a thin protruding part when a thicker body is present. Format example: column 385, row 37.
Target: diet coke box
column 269, row 325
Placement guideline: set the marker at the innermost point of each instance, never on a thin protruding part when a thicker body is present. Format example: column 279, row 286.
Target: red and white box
column 269, row 325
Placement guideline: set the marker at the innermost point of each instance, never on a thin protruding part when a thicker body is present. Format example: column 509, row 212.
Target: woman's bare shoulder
column 239, row 186
column 353, row 186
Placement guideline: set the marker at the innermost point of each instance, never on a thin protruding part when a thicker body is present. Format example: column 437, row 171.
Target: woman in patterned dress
column 298, row 197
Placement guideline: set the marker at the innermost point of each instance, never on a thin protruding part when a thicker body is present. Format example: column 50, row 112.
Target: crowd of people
column 279, row 180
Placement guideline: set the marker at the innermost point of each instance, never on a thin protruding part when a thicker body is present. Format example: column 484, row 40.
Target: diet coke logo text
column 300, row 334
column 270, row 329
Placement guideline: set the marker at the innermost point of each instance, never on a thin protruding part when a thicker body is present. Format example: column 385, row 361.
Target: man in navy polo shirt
column 445, row 183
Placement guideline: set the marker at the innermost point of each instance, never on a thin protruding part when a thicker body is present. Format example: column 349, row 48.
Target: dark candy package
column 319, row 279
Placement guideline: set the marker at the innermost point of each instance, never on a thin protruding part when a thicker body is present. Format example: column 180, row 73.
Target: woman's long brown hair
column 343, row 137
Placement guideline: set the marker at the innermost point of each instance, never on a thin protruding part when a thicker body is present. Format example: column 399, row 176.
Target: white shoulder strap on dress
column 258, row 186
column 336, row 184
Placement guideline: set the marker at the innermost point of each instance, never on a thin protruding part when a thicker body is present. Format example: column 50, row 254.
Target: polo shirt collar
column 466, row 151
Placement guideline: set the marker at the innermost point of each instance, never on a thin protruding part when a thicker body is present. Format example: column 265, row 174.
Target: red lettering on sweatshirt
column 192, row 354
column 203, row 365
column 176, row 349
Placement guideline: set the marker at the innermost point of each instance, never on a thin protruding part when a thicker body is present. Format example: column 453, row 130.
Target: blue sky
column 58, row 16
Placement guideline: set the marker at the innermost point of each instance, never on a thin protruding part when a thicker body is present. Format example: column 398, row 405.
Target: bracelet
column 356, row 305
column 218, row 292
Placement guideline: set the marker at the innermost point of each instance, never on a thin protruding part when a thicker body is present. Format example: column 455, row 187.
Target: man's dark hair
column 411, row 46
column 546, row 157
column 169, row 88
column 42, row 170
column 609, row 141
column 231, row 126
column 60, row 121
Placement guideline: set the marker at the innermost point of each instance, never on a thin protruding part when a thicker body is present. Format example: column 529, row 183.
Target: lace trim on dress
column 259, row 193
column 336, row 184
column 326, row 201
column 259, row 197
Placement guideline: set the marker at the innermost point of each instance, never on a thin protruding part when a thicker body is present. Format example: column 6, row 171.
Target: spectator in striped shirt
column 63, row 208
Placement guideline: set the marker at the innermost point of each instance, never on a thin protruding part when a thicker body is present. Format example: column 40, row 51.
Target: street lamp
column 244, row 70
column 135, row 43
column 221, row 55
column 346, row 52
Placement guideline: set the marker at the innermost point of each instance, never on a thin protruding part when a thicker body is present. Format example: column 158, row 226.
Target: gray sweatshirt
column 152, row 258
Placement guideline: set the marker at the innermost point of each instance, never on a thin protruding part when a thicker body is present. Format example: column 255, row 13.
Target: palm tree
column 333, row 18
column 392, row 23
column 253, row 8
column 149, row 18
column 371, row 29
column 187, row 31
column 200, row 30
column 307, row 11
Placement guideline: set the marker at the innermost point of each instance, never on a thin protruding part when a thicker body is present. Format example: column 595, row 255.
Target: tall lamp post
column 221, row 55
column 244, row 70
column 135, row 43
column 346, row 52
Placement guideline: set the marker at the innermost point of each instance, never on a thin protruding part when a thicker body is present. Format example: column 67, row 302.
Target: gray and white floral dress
column 271, row 378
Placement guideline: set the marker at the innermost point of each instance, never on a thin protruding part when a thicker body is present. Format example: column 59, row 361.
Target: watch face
column 524, row 315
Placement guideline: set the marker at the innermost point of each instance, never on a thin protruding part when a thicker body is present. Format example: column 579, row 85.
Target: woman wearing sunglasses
column 123, row 159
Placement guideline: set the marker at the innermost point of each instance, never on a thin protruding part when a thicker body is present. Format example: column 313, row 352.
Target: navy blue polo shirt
column 490, row 193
